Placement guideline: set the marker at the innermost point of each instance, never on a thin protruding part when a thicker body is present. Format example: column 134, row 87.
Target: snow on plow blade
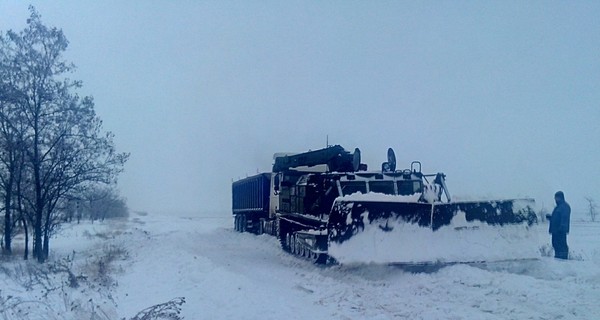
column 399, row 230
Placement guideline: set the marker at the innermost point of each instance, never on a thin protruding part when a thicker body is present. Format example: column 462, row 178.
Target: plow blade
column 417, row 233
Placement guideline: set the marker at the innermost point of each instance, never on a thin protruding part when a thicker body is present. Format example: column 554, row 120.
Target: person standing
column 559, row 226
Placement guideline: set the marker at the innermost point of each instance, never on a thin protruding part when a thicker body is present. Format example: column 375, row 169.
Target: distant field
column 584, row 240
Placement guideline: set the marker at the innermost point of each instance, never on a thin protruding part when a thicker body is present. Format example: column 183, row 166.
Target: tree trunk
column 8, row 194
column 26, row 251
column 39, row 202
column 7, row 222
column 37, row 236
column 47, row 226
column 46, row 247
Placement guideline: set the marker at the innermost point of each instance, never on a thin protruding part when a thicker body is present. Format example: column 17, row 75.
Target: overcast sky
column 504, row 97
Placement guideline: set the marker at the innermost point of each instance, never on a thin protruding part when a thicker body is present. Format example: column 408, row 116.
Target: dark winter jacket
column 559, row 221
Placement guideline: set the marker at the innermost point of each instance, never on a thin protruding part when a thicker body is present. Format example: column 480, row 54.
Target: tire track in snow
column 247, row 276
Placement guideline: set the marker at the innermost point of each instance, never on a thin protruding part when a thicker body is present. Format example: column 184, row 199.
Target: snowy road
column 226, row 275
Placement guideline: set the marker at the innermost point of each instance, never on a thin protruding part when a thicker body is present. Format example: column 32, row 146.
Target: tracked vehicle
column 325, row 206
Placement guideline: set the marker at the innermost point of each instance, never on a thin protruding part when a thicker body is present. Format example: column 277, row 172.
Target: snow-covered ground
column 227, row 275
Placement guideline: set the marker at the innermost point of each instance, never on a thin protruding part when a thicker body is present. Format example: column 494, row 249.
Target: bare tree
column 100, row 203
column 592, row 208
column 8, row 163
column 64, row 146
column 11, row 129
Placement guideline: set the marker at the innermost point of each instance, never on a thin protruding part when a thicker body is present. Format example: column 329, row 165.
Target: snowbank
column 461, row 241
column 227, row 275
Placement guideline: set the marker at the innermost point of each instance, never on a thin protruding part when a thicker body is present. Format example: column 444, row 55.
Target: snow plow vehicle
column 325, row 206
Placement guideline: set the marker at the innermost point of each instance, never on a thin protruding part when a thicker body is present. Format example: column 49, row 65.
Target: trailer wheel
column 236, row 223
column 243, row 223
column 293, row 243
column 288, row 242
column 304, row 251
column 299, row 247
column 261, row 227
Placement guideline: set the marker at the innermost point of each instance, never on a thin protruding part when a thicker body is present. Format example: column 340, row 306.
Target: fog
column 502, row 97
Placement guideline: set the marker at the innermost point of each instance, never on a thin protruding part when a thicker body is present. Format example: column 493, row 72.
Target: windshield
column 408, row 187
column 386, row 187
column 350, row 187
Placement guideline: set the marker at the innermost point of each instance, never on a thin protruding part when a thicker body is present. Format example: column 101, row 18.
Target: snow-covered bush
column 170, row 310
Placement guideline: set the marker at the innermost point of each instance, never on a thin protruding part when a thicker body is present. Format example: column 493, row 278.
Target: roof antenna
column 327, row 142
